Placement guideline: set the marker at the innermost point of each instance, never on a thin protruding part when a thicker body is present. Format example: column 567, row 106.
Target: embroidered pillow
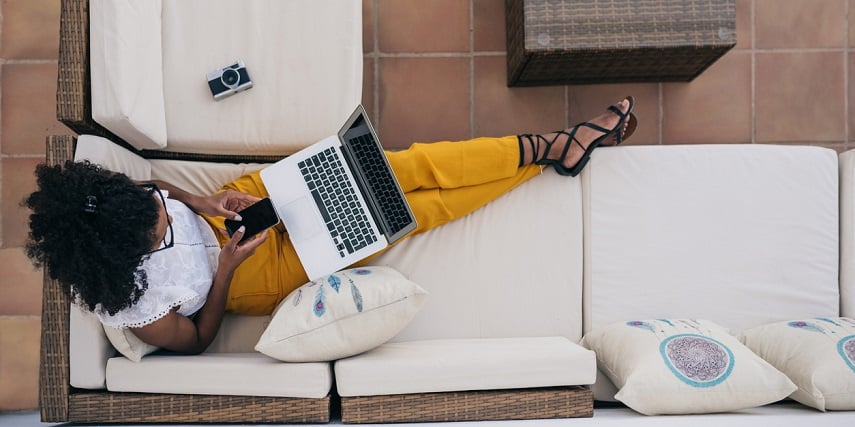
column 340, row 315
column 682, row 366
column 817, row 354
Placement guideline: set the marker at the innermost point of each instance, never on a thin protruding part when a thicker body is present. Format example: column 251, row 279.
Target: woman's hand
column 226, row 203
column 234, row 253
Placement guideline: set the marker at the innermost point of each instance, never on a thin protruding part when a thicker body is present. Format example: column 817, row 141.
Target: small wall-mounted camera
column 229, row 80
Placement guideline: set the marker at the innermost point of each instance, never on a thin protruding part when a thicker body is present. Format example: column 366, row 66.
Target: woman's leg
column 449, row 180
column 455, row 164
column 443, row 181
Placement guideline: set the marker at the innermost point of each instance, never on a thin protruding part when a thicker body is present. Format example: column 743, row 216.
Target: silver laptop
column 339, row 198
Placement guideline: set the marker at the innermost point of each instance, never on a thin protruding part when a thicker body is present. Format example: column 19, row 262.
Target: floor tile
column 851, row 19
column 744, row 24
column 368, row 25
column 21, row 284
column 713, row 108
column 489, row 25
column 423, row 26
column 800, row 97
column 585, row 102
column 30, row 29
column 423, row 99
column 500, row 110
column 28, row 108
column 19, row 362
column 851, row 136
column 18, row 182
column 368, row 87
column 800, row 24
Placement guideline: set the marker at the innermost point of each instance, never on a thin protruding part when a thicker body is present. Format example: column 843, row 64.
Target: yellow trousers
column 442, row 181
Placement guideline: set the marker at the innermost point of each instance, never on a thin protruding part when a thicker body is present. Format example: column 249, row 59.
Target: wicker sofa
column 597, row 265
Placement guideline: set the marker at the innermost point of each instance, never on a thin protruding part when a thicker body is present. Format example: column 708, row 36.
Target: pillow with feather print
column 340, row 315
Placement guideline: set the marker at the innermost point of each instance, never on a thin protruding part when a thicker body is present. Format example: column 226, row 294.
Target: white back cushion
column 110, row 156
column 510, row 269
column 304, row 57
column 126, row 70
column 741, row 235
column 847, row 234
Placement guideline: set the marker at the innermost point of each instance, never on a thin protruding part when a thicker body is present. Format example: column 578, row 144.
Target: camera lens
column 230, row 78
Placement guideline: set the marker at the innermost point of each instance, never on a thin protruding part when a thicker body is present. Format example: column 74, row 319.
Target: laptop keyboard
column 381, row 182
column 336, row 198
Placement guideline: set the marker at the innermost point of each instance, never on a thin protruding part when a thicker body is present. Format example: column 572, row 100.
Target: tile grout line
column 471, row 69
column 566, row 123
column 846, row 80
column 661, row 94
column 753, row 32
column 2, row 68
column 375, row 50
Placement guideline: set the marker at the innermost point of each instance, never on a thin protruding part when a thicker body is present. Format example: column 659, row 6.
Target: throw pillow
column 682, row 366
column 340, row 315
column 817, row 354
column 126, row 343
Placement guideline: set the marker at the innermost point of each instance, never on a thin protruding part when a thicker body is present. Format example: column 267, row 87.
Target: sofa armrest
column 104, row 152
column 54, row 382
column 127, row 70
column 847, row 233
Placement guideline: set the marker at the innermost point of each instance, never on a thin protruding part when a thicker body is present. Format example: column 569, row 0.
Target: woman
column 154, row 258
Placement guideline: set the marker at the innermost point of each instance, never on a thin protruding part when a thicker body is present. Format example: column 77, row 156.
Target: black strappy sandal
column 627, row 118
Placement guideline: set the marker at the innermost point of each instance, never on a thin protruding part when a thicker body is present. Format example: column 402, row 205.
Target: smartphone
column 256, row 218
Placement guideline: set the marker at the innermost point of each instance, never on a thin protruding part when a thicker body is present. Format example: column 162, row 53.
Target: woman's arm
column 225, row 203
column 180, row 334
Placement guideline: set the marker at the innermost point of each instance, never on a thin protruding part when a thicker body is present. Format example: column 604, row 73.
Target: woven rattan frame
column 553, row 42
column 62, row 403
column 517, row 404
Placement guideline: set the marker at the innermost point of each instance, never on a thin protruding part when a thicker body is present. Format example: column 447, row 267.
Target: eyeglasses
column 168, row 239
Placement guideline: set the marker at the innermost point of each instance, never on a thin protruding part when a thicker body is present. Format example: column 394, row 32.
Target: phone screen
column 256, row 218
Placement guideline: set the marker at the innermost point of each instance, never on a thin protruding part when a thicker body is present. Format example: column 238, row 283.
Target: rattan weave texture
column 517, row 404
column 607, row 41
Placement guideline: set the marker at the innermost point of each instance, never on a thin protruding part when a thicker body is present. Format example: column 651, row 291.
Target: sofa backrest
column 150, row 60
column 740, row 235
column 510, row 269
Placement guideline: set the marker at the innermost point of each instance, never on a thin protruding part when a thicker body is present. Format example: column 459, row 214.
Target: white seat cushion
column 304, row 57
column 455, row 365
column 235, row 374
column 150, row 59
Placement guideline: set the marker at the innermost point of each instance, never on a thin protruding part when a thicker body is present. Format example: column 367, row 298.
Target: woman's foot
column 565, row 149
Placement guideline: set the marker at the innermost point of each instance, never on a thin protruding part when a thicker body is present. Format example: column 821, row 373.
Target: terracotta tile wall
column 435, row 70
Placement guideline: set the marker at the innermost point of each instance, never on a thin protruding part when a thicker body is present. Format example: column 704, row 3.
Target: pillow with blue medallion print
column 817, row 354
column 683, row 366
column 341, row 315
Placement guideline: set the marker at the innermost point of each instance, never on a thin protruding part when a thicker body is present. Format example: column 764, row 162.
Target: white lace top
column 180, row 276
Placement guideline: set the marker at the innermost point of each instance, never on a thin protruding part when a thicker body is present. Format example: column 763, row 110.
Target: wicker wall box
column 551, row 42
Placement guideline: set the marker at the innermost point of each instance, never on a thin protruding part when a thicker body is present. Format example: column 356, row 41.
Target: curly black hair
column 95, row 253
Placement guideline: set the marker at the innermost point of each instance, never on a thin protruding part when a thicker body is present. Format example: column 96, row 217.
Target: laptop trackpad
column 301, row 219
